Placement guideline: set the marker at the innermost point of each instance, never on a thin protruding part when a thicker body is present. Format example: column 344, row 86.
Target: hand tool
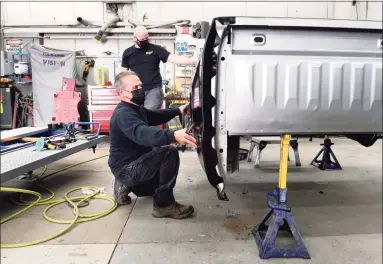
column 41, row 144
column 189, row 126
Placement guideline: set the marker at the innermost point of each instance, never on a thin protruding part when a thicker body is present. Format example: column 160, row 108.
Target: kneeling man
column 141, row 159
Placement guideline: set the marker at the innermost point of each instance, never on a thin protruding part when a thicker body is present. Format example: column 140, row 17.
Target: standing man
column 144, row 59
column 136, row 166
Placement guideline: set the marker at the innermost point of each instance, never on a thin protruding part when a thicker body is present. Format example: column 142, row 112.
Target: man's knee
column 147, row 188
column 172, row 152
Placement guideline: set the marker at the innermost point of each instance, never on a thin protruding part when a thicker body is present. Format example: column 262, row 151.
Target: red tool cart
column 102, row 100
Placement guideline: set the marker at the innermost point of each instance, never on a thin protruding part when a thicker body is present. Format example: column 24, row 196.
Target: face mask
column 138, row 96
column 142, row 43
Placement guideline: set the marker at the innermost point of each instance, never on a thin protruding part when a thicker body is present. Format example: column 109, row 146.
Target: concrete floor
column 339, row 214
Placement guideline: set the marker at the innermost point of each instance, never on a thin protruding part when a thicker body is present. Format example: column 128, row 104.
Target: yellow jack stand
column 280, row 217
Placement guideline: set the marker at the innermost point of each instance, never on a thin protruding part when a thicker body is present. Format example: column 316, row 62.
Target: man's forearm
column 148, row 136
column 162, row 116
column 176, row 59
column 152, row 136
column 139, row 132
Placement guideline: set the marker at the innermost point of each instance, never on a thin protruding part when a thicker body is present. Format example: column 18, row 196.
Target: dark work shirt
column 134, row 131
column 145, row 62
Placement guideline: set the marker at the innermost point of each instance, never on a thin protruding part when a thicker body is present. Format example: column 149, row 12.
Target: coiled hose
column 75, row 202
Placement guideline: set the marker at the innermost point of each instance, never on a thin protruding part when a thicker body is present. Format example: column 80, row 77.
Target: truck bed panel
column 302, row 82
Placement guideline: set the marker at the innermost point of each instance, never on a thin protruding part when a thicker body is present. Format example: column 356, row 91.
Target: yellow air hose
column 74, row 202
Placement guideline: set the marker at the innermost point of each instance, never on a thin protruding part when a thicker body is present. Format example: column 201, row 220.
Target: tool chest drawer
column 103, row 96
column 102, row 100
column 105, row 126
column 102, row 114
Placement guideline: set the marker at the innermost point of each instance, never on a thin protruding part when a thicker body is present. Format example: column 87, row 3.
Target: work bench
column 18, row 158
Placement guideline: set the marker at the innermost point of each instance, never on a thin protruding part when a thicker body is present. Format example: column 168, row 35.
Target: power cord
column 75, row 202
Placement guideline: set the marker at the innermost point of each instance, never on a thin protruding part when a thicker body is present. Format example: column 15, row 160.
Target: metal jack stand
column 294, row 145
column 326, row 163
column 281, row 218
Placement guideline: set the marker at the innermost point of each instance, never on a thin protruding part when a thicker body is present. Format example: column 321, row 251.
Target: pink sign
column 68, row 84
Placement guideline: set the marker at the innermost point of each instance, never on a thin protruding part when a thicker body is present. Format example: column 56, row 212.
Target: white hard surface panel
column 301, row 81
column 21, row 132
column 24, row 160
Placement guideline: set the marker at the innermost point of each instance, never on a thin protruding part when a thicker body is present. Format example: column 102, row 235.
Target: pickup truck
column 274, row 76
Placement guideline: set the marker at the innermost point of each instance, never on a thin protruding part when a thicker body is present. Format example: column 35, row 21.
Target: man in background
column 144, row 59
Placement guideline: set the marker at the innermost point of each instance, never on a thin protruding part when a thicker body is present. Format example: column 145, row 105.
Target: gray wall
column 19, row 13
column 16, row 15
column 27, row 20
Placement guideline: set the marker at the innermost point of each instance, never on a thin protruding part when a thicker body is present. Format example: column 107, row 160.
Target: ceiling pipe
column 81, row 21
column 82, row 30
column 132, row 23
column 109, row 37
column 118, row 24
column 38, row 26
column 184, row 22
column 85, row 37
column 102, row 30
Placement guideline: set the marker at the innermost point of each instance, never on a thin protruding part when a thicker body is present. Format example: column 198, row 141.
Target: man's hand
column 184, row 138
column 185, row 109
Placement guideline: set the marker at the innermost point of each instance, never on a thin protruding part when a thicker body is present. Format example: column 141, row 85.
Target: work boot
column 123, row 199
column 121, row 193
column 175, row 210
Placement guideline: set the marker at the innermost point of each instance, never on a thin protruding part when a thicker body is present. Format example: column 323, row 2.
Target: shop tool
column 69, row 136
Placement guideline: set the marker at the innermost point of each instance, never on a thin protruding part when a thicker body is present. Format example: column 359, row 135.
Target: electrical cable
column 75, row 202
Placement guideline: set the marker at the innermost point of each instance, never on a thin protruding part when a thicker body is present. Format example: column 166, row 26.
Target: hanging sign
column 12, row 45
column 182, row 46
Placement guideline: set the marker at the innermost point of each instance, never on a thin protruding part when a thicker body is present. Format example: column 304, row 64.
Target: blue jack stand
column 326, row 163
column 281, row 219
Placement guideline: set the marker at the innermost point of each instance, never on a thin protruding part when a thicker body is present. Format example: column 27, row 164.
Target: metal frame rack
column 18, row 157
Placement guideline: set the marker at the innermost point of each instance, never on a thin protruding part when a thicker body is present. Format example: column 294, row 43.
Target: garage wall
column 29, row 13
column 35, row 14
column 111, row 63
column 25, row 20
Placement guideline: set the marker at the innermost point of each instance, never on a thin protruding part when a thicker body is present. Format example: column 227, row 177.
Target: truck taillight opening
column 196, row 98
